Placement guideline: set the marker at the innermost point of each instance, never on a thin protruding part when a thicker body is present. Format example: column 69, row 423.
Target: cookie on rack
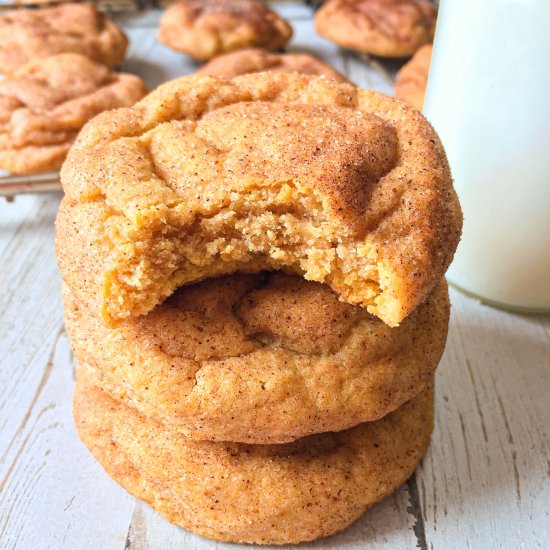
column 78, row 28
column 412, row 78
column 267, row 171
column 258, row 60
column 44, row 105
column 385, row 28
column 204, row 29
column 38, row 2
column 284, row 355
column 275, row 494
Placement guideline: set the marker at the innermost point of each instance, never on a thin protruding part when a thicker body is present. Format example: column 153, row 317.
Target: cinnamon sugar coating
column 79, row 28
column 385, row 28
column 256, row 61
column 275, row 494
column 44, row 105
column 204, row 29
column 207, row 177
column 261, row 358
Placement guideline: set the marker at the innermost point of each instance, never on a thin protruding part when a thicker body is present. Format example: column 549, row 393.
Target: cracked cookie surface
column 257, row 60
column 78, row 28
column 206, row 177
column 204, row 29
column 45, row 104
column 385, row 28
column 263, row 358
column 273, row 494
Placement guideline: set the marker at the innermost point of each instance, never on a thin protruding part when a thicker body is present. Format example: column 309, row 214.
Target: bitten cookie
column 34, row 34
column 261, row 358
column 269, row 171
column 386, row 28
column 204, row 29
column 44, row 105
column 256, row 61
column 278, row 494
column 412, row 78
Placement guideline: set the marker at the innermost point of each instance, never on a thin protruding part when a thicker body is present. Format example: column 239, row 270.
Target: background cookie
column 386, row 28
column 262, row 358
column 255, row 494
column 79, row 28
column 267, row 171
column 412, row 78
column 257, row 60
column 44, row 105
column 206, row 28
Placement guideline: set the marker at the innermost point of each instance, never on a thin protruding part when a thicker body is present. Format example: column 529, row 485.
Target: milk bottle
column 488, row 98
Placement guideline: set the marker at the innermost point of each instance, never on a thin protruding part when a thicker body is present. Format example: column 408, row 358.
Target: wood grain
column 483, row 485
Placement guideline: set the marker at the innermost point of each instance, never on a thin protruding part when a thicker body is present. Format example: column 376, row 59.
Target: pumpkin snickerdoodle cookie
column 34, row 34
column 412, row 78
column 386, row 28
column 261, row 358
column 44, row 105
column 275, row 494
column 257, row 60
column 268, row 171
column 204, row 29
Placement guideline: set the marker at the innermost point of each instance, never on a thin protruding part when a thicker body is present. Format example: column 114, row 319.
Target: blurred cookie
column 79, row 28
column 284, row 355
column 204, row 29
column 44, row 105
column 385, row 28
column 37, row 2
column 412, row 78
column 257, row 60
column 276, row 494
column 267, row 171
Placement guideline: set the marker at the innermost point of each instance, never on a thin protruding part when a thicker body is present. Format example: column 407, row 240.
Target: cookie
column 385, row 28
column 269, row 171
column 44, row 105
column 256, row 61
column 34, row 34
column 277, row 494
column 38, row 2
column 261, row 359
column 204, row 29
column 412, row 78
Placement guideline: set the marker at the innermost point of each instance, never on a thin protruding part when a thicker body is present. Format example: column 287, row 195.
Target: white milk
column 489, row 99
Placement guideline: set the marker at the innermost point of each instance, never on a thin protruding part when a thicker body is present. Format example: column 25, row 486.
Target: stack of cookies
column 253, row 288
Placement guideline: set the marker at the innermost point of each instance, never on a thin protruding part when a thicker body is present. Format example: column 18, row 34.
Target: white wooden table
column 484, row 484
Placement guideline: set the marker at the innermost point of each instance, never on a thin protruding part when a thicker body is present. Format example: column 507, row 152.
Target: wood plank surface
column 484, row 483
